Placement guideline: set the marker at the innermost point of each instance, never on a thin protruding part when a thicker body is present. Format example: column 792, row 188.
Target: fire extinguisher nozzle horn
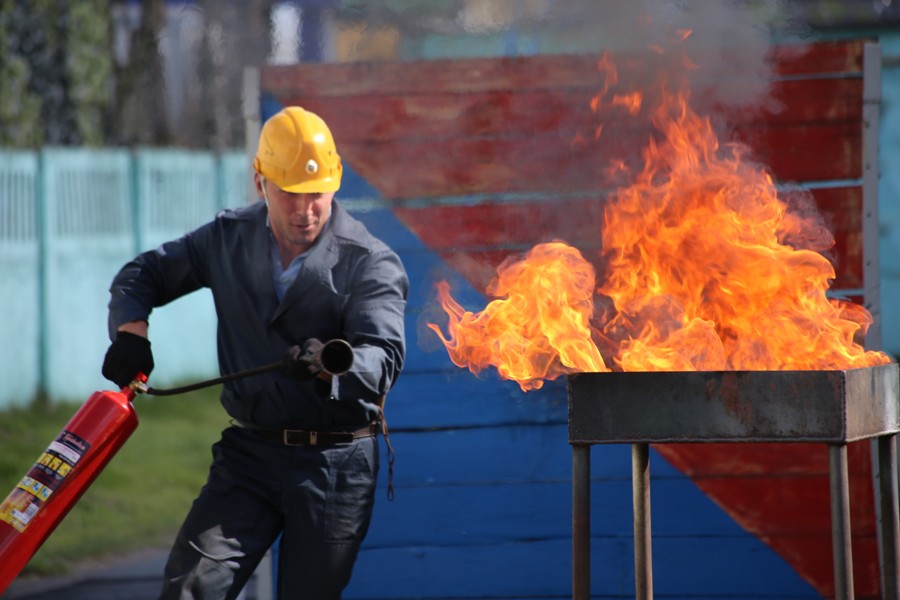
column 336, row 357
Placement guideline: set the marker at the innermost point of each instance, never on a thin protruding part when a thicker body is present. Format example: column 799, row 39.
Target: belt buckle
column 312, row 437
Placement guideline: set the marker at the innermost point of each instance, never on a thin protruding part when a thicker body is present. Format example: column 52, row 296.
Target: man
column 301, row 459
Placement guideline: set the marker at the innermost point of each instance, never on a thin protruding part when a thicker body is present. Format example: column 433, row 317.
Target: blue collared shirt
column 283, row 278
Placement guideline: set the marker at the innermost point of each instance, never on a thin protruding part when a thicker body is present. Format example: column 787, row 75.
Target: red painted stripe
column 468, row 75
column 780, row 492
column 562, row 112
column 476, row 238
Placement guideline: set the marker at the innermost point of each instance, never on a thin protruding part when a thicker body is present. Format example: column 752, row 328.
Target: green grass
column 141, row 497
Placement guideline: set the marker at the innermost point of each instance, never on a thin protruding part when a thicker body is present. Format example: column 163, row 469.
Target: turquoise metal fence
column 69, row 219
column 19, row 268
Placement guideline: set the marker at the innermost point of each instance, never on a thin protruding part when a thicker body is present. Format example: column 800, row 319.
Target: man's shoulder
column 242, row 213
column 352, row 232
column 231, row 220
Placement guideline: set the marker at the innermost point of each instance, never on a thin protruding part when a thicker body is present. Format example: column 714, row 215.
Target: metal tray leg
column 840, row 522
column 889, row 519
column 581, row 521
column 640, row 487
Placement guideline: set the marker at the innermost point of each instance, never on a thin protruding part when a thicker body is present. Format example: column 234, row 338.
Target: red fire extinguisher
column 61, row 474
column 71, row 463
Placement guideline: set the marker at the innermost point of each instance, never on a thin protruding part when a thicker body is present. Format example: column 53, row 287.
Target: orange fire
column 701, row 266
column 539, row 330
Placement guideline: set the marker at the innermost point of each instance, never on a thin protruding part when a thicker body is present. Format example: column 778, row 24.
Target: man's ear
column 258, row 184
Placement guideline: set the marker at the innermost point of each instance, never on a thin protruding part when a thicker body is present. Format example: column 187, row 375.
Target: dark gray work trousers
column 319, row 499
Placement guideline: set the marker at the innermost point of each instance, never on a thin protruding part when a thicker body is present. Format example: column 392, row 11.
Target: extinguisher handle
column 137, row 385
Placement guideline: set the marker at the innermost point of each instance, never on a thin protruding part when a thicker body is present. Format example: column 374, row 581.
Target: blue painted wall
column 483, row 490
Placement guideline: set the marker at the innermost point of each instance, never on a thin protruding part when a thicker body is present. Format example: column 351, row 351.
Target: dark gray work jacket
column 351, row 286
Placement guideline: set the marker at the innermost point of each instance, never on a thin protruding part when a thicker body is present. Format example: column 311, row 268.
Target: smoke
column 718, row 50
column 727, row 45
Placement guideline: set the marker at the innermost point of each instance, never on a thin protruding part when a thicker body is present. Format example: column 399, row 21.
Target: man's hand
column 302, row 362
column 128, row 355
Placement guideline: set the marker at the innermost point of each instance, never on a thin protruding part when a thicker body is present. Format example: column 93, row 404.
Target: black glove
column 129, row 355
column 302, row 362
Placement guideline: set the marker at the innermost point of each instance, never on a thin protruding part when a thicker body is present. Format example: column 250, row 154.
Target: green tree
column 41, row 29
column 141, row 115
column 55, row 66
column 20, row 107
column 89, row 68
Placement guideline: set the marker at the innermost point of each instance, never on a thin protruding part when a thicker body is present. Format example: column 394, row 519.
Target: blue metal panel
column 483, row 487
column 502, row 497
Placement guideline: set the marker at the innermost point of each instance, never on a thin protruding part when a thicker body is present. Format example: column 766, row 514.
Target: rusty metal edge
column 880, row 416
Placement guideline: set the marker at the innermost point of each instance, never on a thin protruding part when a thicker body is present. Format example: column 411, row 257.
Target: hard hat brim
column 318, row 186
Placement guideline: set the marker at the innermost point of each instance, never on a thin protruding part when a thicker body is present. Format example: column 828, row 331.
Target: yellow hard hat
column 296, row 152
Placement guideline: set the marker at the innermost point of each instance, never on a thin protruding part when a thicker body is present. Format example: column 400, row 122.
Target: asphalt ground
column 134, row 577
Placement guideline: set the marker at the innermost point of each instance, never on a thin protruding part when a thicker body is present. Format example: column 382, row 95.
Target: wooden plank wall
column 471, row 160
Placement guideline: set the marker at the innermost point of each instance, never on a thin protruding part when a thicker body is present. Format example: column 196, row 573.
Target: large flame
column 539, row 329
column 706, row 267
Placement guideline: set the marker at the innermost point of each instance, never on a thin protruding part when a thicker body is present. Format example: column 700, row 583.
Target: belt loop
column 313, row 437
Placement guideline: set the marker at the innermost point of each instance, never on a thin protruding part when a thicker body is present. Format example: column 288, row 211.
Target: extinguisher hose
column 209, row 382
column 335, row 357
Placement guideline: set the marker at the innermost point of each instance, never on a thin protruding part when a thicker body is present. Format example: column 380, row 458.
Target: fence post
column 134, row 203
column 44, row 235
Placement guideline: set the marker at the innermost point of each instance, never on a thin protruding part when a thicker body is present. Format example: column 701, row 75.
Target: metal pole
column 640, row 492
column 870, row 175
column 840, row 522
column 889, row 517
column 885, row 466
column 581, row 522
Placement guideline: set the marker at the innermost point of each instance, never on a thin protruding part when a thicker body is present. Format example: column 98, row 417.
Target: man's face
column 296, row 219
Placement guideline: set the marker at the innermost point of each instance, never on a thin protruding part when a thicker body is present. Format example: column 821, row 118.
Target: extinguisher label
column 45, row 476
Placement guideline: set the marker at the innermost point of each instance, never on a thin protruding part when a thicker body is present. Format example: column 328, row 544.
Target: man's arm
column 152, row 279
column 374, row 326
column 135, row 327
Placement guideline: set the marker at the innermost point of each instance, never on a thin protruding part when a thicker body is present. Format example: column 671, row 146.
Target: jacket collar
column 317, row 266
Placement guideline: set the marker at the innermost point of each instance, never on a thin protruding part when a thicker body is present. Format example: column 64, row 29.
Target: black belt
column 304, row 437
